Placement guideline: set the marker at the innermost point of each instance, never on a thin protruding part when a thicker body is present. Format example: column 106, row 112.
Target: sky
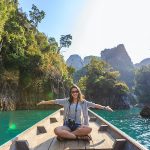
column 97, row 24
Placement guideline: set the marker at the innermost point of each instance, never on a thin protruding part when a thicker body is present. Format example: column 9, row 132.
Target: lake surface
column 129, row 121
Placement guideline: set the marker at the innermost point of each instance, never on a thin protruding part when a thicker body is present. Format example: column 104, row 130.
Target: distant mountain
column 87, row 59
column 119, row 59
column 75, row 61
column 144, row 62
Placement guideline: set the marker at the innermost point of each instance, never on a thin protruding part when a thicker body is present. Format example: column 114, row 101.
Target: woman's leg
column 64, row 132
column 83, row 130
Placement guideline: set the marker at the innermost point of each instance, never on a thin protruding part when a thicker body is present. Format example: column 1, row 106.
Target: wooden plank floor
column 100, row 140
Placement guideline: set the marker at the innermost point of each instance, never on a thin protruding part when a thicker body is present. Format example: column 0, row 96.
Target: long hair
column 80, row 96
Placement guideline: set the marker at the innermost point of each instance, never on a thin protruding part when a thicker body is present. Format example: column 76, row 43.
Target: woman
column 74, row 108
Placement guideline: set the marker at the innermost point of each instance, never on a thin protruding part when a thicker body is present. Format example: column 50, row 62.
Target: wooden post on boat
column 119, row 144
column 22, row 145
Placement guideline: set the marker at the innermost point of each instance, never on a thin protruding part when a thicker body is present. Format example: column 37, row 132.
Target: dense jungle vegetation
column 32, row 67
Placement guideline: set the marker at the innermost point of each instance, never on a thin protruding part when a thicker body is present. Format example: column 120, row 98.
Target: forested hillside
column 31, row 66
column 101, row 85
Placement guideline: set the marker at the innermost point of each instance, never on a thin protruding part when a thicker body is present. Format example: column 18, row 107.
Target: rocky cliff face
column 119, row 59
column 145, row 112
column 87, row 59
column 75, row 61
column 144, row 62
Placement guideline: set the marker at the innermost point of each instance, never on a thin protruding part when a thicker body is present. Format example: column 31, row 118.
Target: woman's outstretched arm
column 98, row 106
column 103, row 107
column 46, row 102
column 61, row 102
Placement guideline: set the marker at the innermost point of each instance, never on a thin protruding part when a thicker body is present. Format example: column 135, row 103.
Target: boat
column 40, row 136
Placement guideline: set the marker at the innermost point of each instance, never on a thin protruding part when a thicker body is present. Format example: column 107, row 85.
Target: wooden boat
column 41, row 136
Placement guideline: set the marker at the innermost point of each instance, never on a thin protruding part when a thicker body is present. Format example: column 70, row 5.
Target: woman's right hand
column 40, row 103
column 108, row 108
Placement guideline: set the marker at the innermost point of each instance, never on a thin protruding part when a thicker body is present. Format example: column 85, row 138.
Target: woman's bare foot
column 84, row 137
column 60, row 138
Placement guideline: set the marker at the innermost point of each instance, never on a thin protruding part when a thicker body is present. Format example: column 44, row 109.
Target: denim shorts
column 72, row 128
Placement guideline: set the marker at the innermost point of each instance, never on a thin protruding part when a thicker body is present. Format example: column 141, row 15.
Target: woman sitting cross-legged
column 74, row 107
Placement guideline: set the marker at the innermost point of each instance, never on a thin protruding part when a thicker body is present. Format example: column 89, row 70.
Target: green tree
column 53, row 44
column 142, row 84
column 30, row 60
column 65, row 41
column 82, row 84
column 7, row 7
column 36, row 15
column 101, row 84
column 14, row 42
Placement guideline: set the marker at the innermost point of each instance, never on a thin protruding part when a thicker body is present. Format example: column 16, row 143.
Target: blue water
column 129, row 121
column 14, row 122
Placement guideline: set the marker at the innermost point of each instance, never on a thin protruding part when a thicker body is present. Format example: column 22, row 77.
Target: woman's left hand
column 108, row 108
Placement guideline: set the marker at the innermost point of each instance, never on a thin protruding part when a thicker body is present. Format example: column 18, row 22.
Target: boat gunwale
column 28, row 129
column 121, row 133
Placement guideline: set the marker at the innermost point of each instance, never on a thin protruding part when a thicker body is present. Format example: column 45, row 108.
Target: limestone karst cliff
column 75, row 61
column 143, row 63
column 119, row 59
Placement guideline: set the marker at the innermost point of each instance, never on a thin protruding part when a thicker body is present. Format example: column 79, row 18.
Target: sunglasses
column 75, row 91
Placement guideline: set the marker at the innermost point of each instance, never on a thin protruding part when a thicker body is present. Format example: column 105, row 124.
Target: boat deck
column 41, row 137
column 100, row 140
